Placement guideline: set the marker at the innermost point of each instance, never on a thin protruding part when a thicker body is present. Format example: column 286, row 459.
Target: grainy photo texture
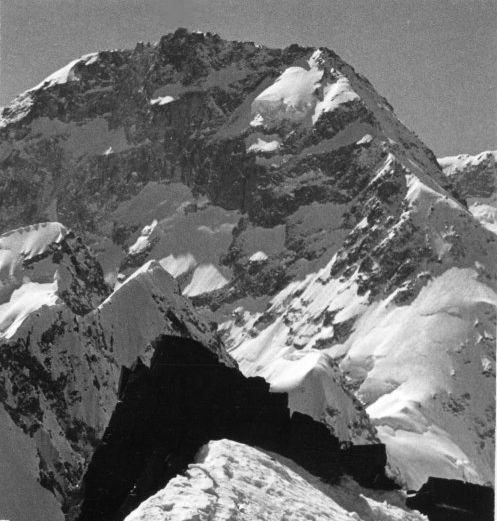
column 248, row 260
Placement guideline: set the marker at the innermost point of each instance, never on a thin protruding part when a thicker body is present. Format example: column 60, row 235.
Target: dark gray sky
column 434, row 60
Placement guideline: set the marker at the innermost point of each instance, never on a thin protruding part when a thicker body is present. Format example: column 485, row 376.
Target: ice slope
column 475, row 177
column 234, row 482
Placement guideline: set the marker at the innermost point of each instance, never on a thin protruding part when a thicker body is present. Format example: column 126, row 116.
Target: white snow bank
column 264, row 146
column 258, row 256
column 25, row 243
column 177, row 265
column 367, row 138
column 206, row 278
column 299, row 95
column 334, row 95
column 230, row 481
column 453, row 164
column 16, row 247
column 23, row 301
column 162, row 100
column 291, row 96
column 486, row 214
column 143, row 241
column 419, row 369
column 66, row 73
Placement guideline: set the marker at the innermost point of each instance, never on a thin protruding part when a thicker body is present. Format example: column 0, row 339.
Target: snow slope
column 230, row 481
column 475, row 178
column 454, row 164
column 424, row 368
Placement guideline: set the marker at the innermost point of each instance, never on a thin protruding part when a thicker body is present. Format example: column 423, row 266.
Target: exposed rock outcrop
column 187, row 398
column 452, row 500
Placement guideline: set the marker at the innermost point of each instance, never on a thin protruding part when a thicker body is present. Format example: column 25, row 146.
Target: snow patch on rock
column 206, row 278
column 334, row 95
column 161, row 100
column 66, row 73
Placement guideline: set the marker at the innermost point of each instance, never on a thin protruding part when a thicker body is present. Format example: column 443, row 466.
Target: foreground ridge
column 187, row 398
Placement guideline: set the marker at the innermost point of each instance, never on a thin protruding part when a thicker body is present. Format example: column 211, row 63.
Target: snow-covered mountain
column 296, row 211
column 64, row 339
column 475, row 178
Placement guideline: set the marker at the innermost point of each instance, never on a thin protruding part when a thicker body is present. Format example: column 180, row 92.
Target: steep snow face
column 21, row 106
column 418, row 358
column 23, row 288
column 233, row 481
column 290, row 97
column 334, row 95
column 422, row 372
column 23, row 301
column 63, row 345
column 19, row 247
column 42, row 265
column 475, row 178
column 66, row 73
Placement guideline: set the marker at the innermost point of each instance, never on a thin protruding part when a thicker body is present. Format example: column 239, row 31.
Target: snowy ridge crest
column 231, row 481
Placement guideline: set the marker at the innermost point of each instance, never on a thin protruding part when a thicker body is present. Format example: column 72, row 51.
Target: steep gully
column 186, row 398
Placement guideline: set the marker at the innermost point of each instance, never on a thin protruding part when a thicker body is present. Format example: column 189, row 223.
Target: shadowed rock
column 186, row 398
column 453, row 500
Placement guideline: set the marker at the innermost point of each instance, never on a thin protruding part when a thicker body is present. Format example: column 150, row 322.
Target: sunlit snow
column 230, row 481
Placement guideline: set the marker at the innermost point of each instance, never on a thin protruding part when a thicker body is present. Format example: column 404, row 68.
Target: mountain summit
column 305, row 222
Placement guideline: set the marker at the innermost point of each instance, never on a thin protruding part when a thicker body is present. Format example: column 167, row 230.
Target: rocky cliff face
column 445, row 499
column 64, row 339
column 284, row 196
column 187, row 398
